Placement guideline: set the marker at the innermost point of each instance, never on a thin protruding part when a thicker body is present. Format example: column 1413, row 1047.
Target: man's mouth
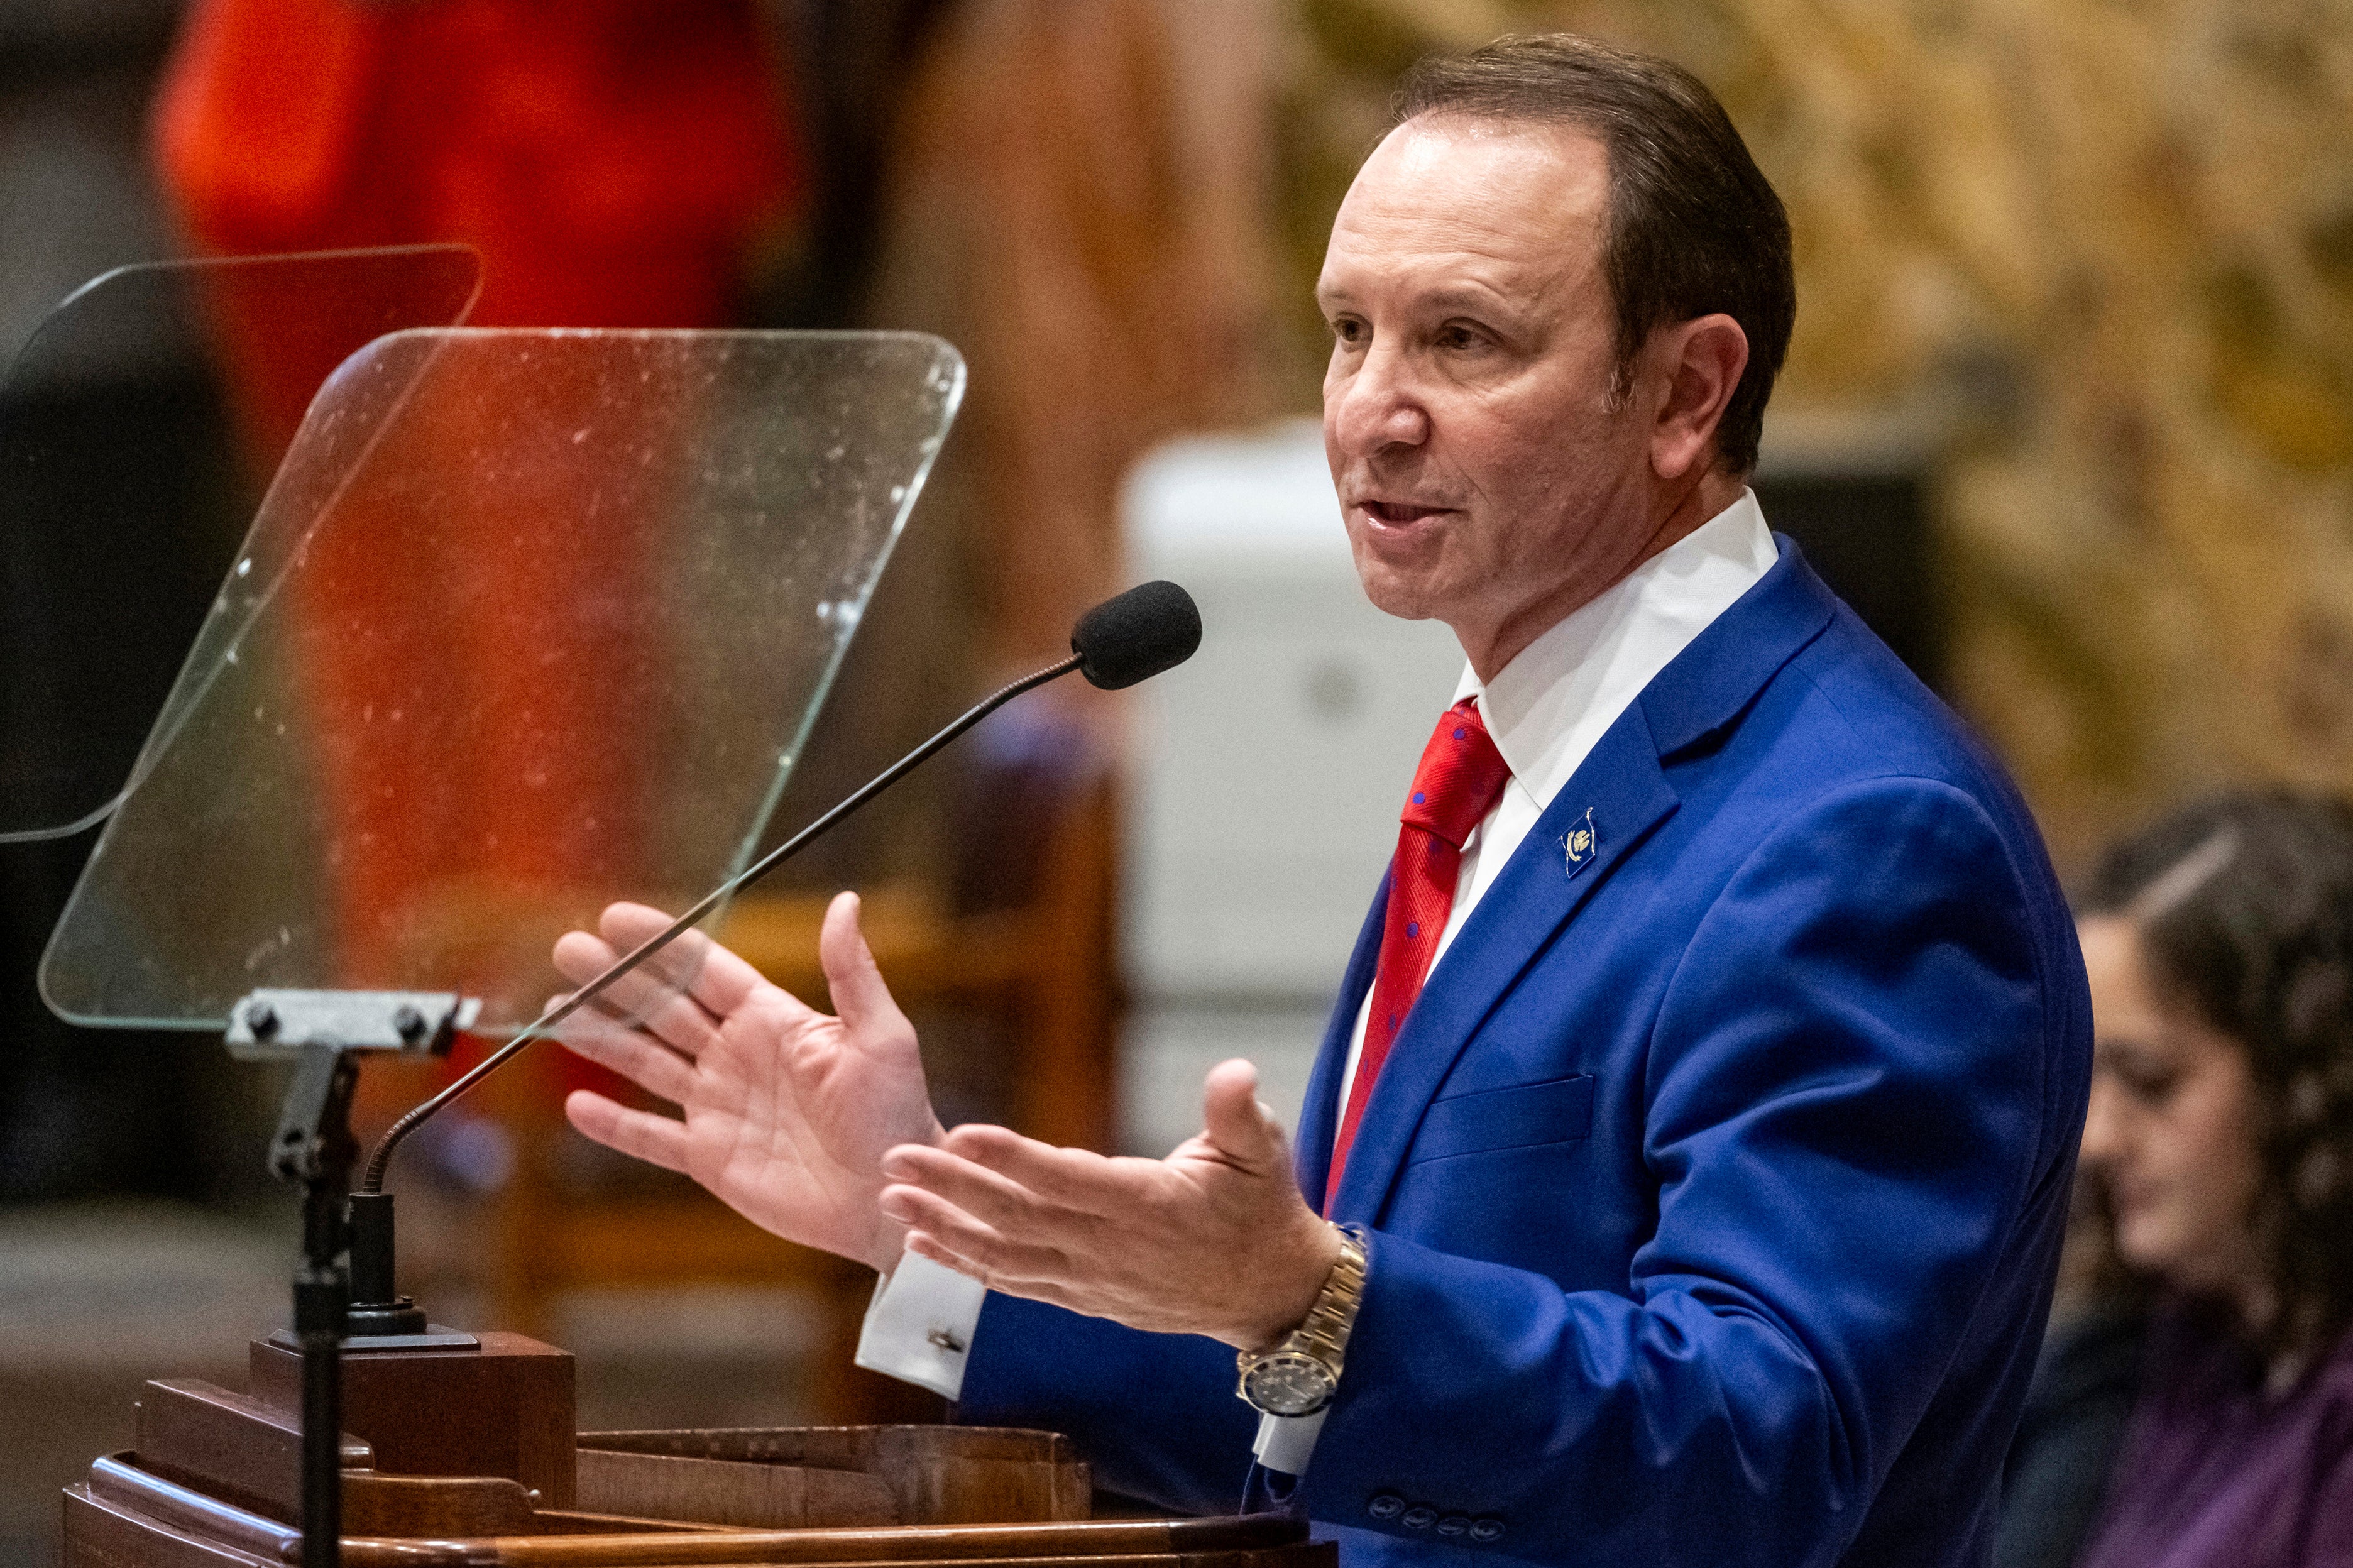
column 1398, row 514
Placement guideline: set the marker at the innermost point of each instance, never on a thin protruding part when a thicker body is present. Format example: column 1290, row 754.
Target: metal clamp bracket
column 274, row 1026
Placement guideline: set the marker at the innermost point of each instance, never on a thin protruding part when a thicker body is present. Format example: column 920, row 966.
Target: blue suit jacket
column 1715, row 1183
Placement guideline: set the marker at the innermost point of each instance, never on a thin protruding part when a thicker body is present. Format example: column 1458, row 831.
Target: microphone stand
column 314, row 1149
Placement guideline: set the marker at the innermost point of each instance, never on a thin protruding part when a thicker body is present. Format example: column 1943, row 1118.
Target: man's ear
column 1701, row 361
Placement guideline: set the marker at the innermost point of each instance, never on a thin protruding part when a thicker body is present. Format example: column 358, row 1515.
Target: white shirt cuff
column 920, row 1324
column 1285, row 1443
column 919, row 1329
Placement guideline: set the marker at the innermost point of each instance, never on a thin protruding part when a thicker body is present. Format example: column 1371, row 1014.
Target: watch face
column 1289, row 1384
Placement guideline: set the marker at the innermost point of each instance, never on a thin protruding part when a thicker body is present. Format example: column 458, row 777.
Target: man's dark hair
column 2243, row 908
column 1694, row 228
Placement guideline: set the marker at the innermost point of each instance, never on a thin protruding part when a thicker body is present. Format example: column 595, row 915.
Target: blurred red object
column 616, row 163
column 614, row 160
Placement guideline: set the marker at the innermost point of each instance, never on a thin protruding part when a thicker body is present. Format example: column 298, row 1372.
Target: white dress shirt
column 1545, row 710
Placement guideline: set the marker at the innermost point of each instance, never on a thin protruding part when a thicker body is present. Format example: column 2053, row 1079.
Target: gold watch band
column 1324, row 1332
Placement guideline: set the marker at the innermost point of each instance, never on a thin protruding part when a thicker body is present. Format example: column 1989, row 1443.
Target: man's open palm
column 786, row 1111
column 1215, row 1239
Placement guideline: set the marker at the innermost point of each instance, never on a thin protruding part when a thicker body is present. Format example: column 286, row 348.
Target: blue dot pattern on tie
column 1413, row 928
column 1458, row 734
column 1418, row 797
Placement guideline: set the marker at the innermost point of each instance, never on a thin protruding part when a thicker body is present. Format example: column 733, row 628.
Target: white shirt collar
column 1549, row 707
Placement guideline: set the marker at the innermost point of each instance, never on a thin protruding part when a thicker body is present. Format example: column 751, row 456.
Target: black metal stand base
column 343, row 1285
column 314, row 1147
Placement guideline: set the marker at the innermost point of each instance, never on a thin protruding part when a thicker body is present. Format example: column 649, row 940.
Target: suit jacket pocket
column 1522, row 1116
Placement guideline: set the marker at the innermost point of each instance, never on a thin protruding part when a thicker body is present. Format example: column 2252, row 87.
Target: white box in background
column 1267, row 772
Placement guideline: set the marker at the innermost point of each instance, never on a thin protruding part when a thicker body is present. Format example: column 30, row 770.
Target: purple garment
column 2216, row 1474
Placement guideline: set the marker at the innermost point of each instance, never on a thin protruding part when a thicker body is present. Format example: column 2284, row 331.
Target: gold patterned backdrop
column 2095, row 258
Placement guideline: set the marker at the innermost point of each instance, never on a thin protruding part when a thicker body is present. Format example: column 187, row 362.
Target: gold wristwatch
column 1299, row 1375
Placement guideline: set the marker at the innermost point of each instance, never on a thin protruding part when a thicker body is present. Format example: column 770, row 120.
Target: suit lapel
column 1619, row 784
column 1622, row 783
column 1319, row 1119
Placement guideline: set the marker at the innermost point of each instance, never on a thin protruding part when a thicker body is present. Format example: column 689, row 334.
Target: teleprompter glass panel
column 529, row 622
column 139, row 424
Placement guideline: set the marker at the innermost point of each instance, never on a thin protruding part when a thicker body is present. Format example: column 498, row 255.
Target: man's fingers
column 973, row 1246
column 1074, row 1178
column 677, row 1019
column 652, row 1068
column 657, row 1140
column 581, row 957
column 720, row 980
column 864, row 1002
column 658, row 1004
column 681, row 995
column 1050, row 1291
column 1002, row 1203
column 677, row 967
column 935, row 1217
column 1233, row 1120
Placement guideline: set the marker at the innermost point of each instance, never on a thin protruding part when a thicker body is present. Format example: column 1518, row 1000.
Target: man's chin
column 1397, row 594
column 1405, row 580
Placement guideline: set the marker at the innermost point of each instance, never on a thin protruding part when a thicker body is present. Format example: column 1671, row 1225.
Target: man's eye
column 1347, row 331
column 1457, row 338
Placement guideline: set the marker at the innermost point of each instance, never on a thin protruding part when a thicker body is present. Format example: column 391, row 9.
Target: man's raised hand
column 1215, row 1239
column 787, row 1111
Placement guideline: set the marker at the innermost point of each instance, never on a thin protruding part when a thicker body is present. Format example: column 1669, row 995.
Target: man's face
column 1485, row 478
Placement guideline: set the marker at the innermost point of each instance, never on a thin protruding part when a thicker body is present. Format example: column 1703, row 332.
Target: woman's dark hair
column 1693, row 226
column 2243, row 906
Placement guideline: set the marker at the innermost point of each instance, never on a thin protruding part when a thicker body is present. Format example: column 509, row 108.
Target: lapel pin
column 1581, row 844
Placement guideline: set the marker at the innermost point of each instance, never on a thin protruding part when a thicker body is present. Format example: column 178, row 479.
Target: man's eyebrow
column 1480, row 299
column 1463, row 296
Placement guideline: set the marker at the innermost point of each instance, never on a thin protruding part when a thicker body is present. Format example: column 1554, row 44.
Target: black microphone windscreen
column 1151, row 627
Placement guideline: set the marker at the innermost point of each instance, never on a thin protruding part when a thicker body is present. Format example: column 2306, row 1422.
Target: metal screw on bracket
column 409, row 1022
column 262, row 1019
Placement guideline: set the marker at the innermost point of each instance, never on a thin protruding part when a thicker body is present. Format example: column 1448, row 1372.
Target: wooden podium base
column 469, row 1457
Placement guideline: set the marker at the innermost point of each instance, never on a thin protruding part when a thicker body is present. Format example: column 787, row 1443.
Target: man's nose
column 1376, row 405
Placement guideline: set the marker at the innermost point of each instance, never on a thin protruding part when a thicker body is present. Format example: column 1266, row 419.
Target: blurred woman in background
column 2219, row 948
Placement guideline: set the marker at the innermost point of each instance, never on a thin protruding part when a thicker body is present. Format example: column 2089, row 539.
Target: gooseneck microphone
column 1152, row 627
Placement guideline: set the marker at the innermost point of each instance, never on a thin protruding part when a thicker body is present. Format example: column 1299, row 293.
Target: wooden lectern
column 469, row 1457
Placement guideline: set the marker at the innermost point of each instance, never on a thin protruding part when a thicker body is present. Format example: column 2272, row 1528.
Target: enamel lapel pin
column 1582, row 844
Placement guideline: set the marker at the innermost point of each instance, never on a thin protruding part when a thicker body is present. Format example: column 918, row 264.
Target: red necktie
column 1461, row 776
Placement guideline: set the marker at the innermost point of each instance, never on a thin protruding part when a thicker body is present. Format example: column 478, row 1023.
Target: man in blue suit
column 1682, row 1176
